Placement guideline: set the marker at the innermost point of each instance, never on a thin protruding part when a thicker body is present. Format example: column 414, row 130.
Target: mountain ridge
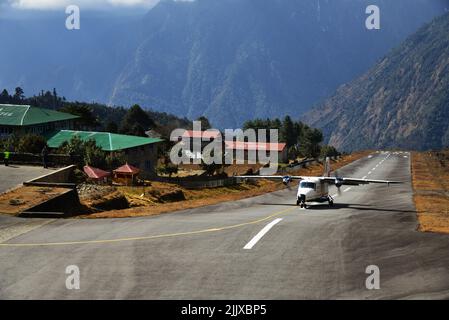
column 402, row 102
column 230, row 60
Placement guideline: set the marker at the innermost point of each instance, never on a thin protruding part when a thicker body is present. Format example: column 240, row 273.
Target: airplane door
column 324, row 188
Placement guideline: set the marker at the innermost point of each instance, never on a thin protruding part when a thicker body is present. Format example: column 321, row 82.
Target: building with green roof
column 140, row 152
column 23, row 119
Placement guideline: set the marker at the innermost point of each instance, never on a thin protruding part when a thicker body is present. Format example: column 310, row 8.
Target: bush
column 94, row 155
column 9, row 144
column 115, row 160
column 329, row 151
column 168, row 168
column 88, row 153
column 31, row 143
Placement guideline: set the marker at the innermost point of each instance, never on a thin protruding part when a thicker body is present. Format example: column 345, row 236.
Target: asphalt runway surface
column 14, row 175
column 260, row 248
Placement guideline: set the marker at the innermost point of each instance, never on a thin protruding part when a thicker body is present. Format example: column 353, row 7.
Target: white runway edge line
column 262, row 232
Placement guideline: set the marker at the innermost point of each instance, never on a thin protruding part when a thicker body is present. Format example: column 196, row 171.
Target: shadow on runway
column 279, row 204
column 338, row 206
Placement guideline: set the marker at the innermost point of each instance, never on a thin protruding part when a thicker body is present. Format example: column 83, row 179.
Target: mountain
column 233, row 60
column 402, row 102
column 230, row 60
column 40, row 53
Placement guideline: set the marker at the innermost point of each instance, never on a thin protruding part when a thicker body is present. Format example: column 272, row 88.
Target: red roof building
column 280, row 148
column 95, row 173
column 266, row 146
column 127, row 169
column 126, row 174
column 208, row 135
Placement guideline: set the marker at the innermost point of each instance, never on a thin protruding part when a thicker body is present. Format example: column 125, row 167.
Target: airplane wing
column 271, row 177
column 354, row 182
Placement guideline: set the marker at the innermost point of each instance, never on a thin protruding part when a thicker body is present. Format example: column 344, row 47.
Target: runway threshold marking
column 160, row 236
column 261, row 233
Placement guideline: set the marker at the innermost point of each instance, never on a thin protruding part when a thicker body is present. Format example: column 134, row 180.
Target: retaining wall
column 60, row 176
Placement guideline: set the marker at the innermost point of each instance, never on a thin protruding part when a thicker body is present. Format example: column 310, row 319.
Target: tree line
column 100, row 117
column 301, row 139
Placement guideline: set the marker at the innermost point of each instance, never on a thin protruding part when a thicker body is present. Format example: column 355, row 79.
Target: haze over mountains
column 231, row 60
column 402, row 102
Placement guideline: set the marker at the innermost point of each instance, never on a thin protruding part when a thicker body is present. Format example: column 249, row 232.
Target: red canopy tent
column 126, row 172
column 95, row 173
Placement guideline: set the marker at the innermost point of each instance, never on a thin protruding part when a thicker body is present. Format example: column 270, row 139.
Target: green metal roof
column 24, row 115
column 105, row 140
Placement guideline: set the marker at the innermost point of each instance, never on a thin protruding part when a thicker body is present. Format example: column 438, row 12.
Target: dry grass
column 430, row 174
column 24, row 198
column 147, row 201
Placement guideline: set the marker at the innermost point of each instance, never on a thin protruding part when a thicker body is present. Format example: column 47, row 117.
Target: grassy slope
column 430, row 173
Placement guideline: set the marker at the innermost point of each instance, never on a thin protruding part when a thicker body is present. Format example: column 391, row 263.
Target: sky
column 87, row 4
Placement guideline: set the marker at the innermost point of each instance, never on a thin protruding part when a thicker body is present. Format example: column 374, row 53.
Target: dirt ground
column 24, row 198
column 430, row 174
column 162, row 197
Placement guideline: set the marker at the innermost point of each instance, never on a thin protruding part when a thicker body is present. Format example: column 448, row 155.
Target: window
column 148, row 165
column 307, row 185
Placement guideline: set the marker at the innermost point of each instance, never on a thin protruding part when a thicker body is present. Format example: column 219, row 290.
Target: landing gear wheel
column 303, row 205
column 331, row 201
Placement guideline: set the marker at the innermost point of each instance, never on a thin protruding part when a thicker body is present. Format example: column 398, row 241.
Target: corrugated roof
column 95, row 173
column 105, row 140
column 211, row 134
column 24, row 115
column 127, row 168
column 240, row 145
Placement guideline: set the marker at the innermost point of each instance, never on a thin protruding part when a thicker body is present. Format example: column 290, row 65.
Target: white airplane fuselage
column 312, row 190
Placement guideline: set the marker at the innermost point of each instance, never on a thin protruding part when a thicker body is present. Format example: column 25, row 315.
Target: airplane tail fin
column 327, row 168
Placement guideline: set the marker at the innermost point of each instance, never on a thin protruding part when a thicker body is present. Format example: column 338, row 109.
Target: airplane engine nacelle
column 338, row 182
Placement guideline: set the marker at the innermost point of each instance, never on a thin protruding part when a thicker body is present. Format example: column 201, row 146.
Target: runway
column 259, row 248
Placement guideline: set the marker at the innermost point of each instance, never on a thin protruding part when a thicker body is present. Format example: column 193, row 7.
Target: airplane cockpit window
column 307, row 185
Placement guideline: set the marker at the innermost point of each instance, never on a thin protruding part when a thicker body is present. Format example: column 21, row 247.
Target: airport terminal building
column 24, row 119
column 139, row 152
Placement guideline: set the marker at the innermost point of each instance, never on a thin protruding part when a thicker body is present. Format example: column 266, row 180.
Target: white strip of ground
column 262, row 232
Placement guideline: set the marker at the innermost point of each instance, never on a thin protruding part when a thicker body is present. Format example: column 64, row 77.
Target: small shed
column 96, row 174
column 127, row 174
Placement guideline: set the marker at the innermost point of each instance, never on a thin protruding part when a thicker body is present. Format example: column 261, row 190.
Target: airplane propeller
column 286, row 181
column 338, row 183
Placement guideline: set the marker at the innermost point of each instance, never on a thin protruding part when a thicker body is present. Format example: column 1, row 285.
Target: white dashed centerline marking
column 262, row 232
column 347, row 189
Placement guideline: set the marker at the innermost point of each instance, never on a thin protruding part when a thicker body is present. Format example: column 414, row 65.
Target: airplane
column 316, row 189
